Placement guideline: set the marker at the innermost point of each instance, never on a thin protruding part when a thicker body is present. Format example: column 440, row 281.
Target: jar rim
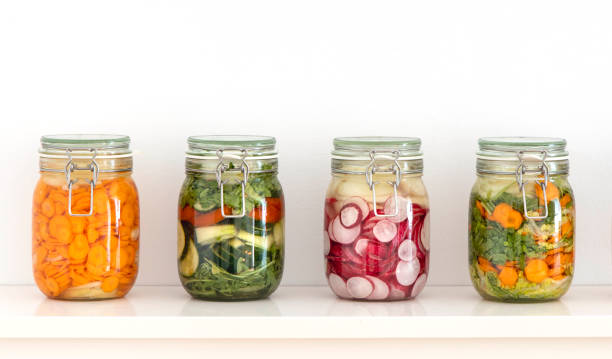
column 360, row 147
column 209, row 145
column 78, row 145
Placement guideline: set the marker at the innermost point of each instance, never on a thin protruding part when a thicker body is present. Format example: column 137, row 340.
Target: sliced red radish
column 330, row 231
column 359, row 202
column 381, row 289
column 419, row 284
column 326, row 243
column 361, row 245
column 359, row 287
column 338, row 286
column 385, row 231
column 407, row 272
column 400, row 209
column 407, row 250
column 342, row 234
column 425, row 233
column 350, row 215
column 396, row 294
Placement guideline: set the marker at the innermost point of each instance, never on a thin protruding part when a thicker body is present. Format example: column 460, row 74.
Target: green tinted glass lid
column 509, row 146
column 211, row 144
column 358, row 146
column 76, row 143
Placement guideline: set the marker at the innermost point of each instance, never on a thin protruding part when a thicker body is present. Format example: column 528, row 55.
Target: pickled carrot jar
column 85, row 218
column 376, row 228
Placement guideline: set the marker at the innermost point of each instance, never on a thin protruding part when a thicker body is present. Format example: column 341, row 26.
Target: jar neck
column 195, row 165
column 509, row 167
column 406, row 167
column 104, row 164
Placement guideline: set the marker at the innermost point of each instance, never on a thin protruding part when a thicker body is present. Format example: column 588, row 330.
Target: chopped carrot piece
column 565, row 200
column 552, row 192
column 79, row 247
column 110, row 284
column 48, row 208
column 508, row 276
column 536, row 270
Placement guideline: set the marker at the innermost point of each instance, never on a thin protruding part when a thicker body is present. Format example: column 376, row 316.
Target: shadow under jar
column 231, row 234
column 85, row 218
column 376, row 228
column 521, row 220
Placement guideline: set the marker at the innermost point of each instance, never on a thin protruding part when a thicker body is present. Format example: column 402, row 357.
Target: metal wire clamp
column 541, row 181
column 243, row 169
column 70, row 168
column 373, row 168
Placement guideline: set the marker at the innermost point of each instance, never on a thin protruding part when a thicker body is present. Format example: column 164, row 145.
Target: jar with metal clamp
column 85, row 227
column 521, row 220
column 231, row 231
column 376, row 224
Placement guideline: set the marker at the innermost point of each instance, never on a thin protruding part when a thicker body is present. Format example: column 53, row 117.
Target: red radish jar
column 376, row 224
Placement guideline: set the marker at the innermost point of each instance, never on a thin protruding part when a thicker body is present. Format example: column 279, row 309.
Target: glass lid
column 82, row 143
column 210, row 144
column 363, row 146
column 511, row 146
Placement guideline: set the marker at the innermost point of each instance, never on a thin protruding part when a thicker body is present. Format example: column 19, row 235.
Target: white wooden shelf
column 161, row 312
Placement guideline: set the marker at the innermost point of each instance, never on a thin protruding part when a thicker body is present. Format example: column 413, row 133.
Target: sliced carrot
column 485, row 265
column 79, row 247
column 48, row 208
column 536, row 270
column 40, row 192
column 507, row 216
column 554, row 251
column 128, row 215
column 565, row 200
column 61, row 229
column 508, row 276
column 52, row 286
column 552, row 192
column 78, row 224
column 555, row 271
column 566, row 229
column 110, row 284
column 101, row 201
column 92, row 234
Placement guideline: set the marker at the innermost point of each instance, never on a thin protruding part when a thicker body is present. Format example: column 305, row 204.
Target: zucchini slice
column 189, row 264
column 251, row 239
column 181, row 240
column 211, row 234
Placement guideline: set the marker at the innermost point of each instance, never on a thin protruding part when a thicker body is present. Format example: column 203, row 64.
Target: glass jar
column 231, row 229
column 521, row 220
column 376, row 227
column 85, row 218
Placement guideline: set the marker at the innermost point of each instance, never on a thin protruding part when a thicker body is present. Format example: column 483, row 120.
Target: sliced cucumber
column 189, row 264
column 212, row 234
column 254, row 240
column 181, row 240
column 279, row 232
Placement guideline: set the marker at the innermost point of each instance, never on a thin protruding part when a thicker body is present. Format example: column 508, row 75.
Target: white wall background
column 305, row 72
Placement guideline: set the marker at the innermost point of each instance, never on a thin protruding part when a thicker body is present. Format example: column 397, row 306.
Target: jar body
column 515, row 258
column 85, row 257
column 369, row 257
column 229, row 259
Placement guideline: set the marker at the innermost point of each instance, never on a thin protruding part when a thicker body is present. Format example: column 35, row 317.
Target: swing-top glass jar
column 231, row 231
column 521, row 220
column 376, row 224
column 85, row 227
